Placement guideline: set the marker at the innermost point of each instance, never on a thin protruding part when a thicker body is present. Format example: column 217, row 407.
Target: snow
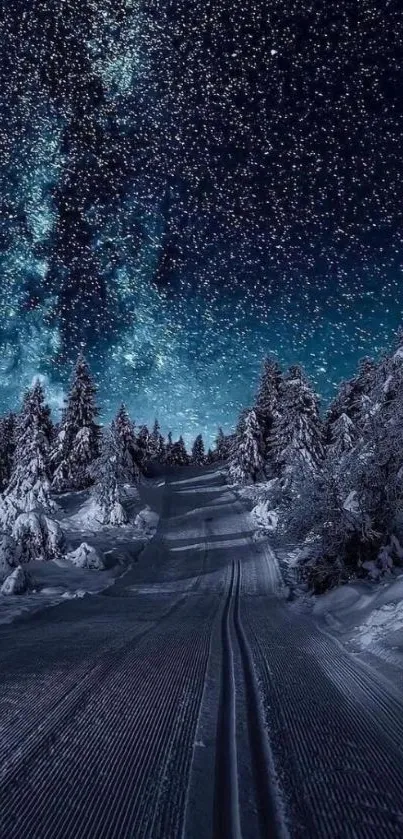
column 85, row 556
column 16, row 583
column 88, row 517
column 37, row 536
column 264, row 517
column 146, row 520
column 94, row 556
column 7, row 555
column 366, row 616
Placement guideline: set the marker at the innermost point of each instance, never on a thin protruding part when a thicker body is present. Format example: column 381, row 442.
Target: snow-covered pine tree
column 144, row 447
column 198, row 452
column 106, row 472
column 29, row 485
column 355, row 397
column 297, row 433
column 26, row 505
column 168, row 450
column 342, row 438
column 77, row 444
column 179, row 456
column 267, row 400
column 7, row 448
column 211, row 456
column 222, row 446
column 157, row 445
column 248, row 460
column 234, row 441
column 127, row 451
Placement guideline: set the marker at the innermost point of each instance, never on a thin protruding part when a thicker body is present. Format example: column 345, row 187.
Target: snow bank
column 85, row 556
column 366, row 615
column 88, row 518
column 381, row 622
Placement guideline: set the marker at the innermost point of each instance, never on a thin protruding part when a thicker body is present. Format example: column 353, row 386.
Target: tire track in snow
column 227, row 820
column 270, row 810
column 227, row 808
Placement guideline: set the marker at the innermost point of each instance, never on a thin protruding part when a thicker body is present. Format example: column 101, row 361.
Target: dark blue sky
column 188, row 186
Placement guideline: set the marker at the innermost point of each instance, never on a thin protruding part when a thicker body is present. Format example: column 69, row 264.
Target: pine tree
column 198, row 453
column 106, row 474
column 26, row 504
column 29, row 485
column 7, row 448
column 222, row 446
column 157, row 446
column 247, row 462
column 127, row 450
column 77, row 444
column 211, row 456
column 144, row 447
column 297, row 434
column 168, row 450
column 179, row 454
column 343, row 436
column 355, row 396
column 267, row 400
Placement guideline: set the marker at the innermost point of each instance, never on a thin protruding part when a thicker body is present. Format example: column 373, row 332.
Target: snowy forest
column 328, row 482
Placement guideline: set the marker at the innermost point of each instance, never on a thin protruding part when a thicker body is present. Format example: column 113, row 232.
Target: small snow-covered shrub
column 8, row 555
column 146, row 520
column 18, row 582
column 85, row 556
column 264, row 517
column 320, row 572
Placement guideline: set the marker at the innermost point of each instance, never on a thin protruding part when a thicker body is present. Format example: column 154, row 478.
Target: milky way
column 187, row 186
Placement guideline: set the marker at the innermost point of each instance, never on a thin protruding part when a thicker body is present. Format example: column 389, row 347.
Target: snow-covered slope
column 190, row 699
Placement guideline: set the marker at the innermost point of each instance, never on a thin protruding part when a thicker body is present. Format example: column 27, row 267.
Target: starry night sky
column 188, row 186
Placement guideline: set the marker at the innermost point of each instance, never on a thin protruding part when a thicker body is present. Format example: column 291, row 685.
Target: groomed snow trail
column 190, row 700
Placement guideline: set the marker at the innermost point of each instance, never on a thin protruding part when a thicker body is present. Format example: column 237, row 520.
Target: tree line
column 334, row 479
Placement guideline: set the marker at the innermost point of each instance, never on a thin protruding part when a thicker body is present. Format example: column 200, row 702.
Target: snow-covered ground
column 192, row 699
column 94, row 556
column 366, row 616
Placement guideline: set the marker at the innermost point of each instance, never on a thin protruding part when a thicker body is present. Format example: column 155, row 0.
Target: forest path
column 190, row 699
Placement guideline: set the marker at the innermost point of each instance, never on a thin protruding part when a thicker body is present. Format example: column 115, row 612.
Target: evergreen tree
column 198, row 453
column 26, row 504
column 356, row 396
column 247, row 462
column 211, row 456
column 343, row 436
column 168, row 450
column 267, row 400
column 106, row 473
column 29, row 485
column 179, row 454
column 144, row 447
column 7, row 448
column 157, row 445
column 222, row 446
column 127, row 451
column 297, row 434
column 77, row 443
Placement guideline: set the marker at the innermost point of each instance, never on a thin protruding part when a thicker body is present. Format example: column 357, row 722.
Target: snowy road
column 191, row 700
